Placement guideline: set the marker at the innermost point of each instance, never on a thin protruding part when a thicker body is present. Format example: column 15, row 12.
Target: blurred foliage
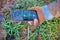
column 13, row 28
column 25, row 4
column 48, row 30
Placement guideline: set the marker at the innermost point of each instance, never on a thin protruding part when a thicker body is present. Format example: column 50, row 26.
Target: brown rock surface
column 55, row 8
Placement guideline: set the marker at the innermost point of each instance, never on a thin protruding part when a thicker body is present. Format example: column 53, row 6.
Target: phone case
column 24, row 15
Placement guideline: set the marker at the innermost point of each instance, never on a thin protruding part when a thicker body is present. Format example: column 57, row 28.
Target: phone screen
column 24, row 15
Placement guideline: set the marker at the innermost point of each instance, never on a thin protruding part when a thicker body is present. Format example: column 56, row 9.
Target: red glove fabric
column 40, row 19
column 40, row 14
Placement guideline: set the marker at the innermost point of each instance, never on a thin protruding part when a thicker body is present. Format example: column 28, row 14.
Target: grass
column 48, row 30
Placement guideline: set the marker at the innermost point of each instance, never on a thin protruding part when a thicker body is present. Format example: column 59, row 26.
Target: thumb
column 35, row 22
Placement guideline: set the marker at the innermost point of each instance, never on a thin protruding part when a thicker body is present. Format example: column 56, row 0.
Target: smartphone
column 24, row 15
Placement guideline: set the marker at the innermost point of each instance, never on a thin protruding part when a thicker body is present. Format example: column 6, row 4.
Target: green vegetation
column 12, row 28
column 25, row 4
column 48, row 30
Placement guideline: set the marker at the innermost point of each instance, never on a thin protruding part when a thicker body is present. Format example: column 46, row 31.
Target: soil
column 12, row 37
column 2, row 33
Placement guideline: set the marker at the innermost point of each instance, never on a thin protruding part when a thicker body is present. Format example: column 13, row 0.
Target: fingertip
column 35, row 22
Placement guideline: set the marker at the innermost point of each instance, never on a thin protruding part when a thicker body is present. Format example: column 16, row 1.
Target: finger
column 30, row 22
column 35, row 22
column 35, row 25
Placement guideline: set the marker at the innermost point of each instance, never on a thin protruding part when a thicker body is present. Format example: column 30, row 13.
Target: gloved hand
column 40, row 17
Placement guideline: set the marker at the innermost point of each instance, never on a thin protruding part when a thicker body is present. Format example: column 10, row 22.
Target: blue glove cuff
column 47, row 13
